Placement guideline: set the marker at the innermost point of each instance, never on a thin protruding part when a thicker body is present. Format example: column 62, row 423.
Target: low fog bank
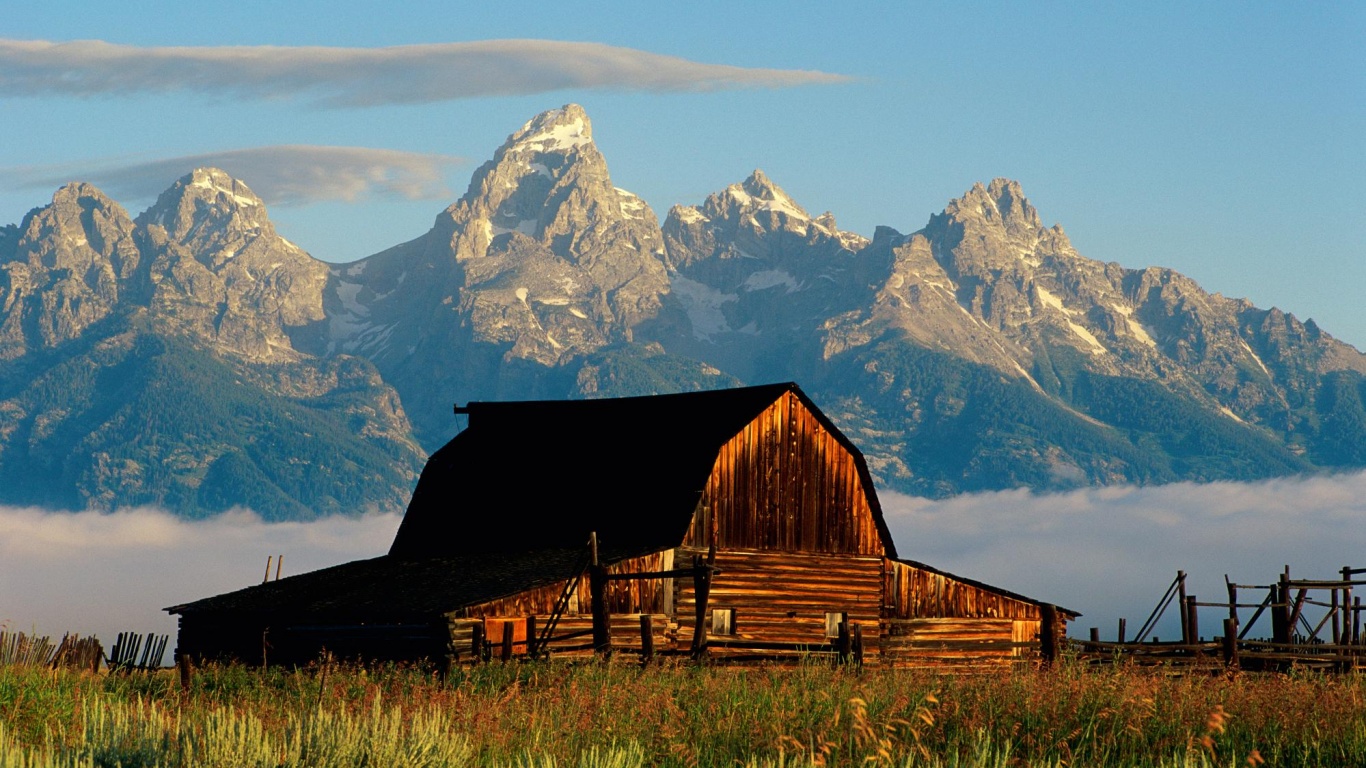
column 1106, row 552
column 101, row 574
column 1112, row 552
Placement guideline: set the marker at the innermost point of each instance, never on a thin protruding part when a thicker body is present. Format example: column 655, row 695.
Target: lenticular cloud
column 361, row 77
column 282, row 175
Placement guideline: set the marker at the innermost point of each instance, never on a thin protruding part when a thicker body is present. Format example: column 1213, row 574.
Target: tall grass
column 552, row 715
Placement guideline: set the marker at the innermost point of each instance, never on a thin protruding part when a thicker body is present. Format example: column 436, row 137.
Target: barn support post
column 597, row 587
column 858, row 645
column 701, row 577
column 1048, row 633
column 477, row 642
column 531, row 637
column 505, row 653
column 647, row 640
column 844, row 641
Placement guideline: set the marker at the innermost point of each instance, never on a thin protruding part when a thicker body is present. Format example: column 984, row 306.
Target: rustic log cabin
column 733, row 524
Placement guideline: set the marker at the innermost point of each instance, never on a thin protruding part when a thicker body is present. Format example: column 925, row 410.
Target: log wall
column 786, row 483
column 626, row 596
column 783, row 597
column 967, row 644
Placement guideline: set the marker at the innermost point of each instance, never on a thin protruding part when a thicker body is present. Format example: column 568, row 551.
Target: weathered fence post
column 597, row 586
column 184, row 667
column 1182, row 608
column 1280, row 609
column 1192, row 622
column 1357, row 621
column 1231, row 643
column 531, row 637
column 1335, row 608
column 1232, row 599
column 1093, row 646
column 1048, row 633
column 1119, row 637
column 647, row 640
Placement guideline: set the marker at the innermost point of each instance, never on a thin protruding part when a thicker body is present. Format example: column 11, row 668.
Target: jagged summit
column 1002, row 203
column 212, row 213
column 555, row 130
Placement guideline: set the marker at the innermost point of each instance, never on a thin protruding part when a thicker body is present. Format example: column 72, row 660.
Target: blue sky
column 1226, row 141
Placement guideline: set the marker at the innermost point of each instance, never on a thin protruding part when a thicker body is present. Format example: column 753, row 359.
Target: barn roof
column 533, row 475
column 1071, row 614
column 389, row 588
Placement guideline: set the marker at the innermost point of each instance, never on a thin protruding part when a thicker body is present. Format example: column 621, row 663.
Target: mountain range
column 193, row 358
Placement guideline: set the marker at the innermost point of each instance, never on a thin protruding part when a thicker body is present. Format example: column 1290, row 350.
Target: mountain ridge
column 981, row 351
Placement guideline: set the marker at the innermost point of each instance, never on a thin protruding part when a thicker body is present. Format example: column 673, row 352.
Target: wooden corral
column 732, row 525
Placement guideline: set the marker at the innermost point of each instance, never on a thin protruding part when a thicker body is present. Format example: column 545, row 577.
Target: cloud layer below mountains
column 1112, row 552
column 364, row 77
column 281, row 175
column 1106, row 552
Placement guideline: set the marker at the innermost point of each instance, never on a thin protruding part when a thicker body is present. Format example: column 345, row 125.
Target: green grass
column 556, row 714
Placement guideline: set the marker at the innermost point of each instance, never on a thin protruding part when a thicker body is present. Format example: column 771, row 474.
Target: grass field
column 600, row 715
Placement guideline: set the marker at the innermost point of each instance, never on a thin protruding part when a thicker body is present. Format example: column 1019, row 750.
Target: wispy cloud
column 1111, row 552
column 361, row 77
column 281, row 175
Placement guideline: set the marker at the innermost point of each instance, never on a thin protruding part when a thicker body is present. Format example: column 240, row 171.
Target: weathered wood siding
column 916, row 593
column 785, row 483
column 626, row 596
column 958, row 642
column 783, row 597
column 625, row 635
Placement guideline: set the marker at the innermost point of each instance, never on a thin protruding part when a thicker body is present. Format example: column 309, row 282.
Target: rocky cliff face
column 220, row 272
column 64, row 269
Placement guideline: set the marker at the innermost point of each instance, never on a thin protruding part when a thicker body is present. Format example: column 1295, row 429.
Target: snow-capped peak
column 557, row 130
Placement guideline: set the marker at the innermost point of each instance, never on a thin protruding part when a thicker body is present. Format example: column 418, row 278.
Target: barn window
column 723, row 621
column 832, row 623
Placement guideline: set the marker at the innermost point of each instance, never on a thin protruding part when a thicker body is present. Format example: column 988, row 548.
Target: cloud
column 101, row 574
column 1111, row 552
column 281, row 175
column 362, row 77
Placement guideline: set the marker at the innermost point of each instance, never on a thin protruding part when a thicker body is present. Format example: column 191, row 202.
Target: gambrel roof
column 527, row 476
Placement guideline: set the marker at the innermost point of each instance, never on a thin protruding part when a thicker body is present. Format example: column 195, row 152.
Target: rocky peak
column 556, row 130
column 999, row 204
column 65, row 269
column 211, row 213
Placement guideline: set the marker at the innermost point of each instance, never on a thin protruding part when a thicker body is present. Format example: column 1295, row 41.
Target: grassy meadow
column 592, row 715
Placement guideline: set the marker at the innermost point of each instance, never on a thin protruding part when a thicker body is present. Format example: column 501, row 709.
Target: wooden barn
column 732, row 524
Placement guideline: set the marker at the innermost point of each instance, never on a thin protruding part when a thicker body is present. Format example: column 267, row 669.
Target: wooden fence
column 1314, row 623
